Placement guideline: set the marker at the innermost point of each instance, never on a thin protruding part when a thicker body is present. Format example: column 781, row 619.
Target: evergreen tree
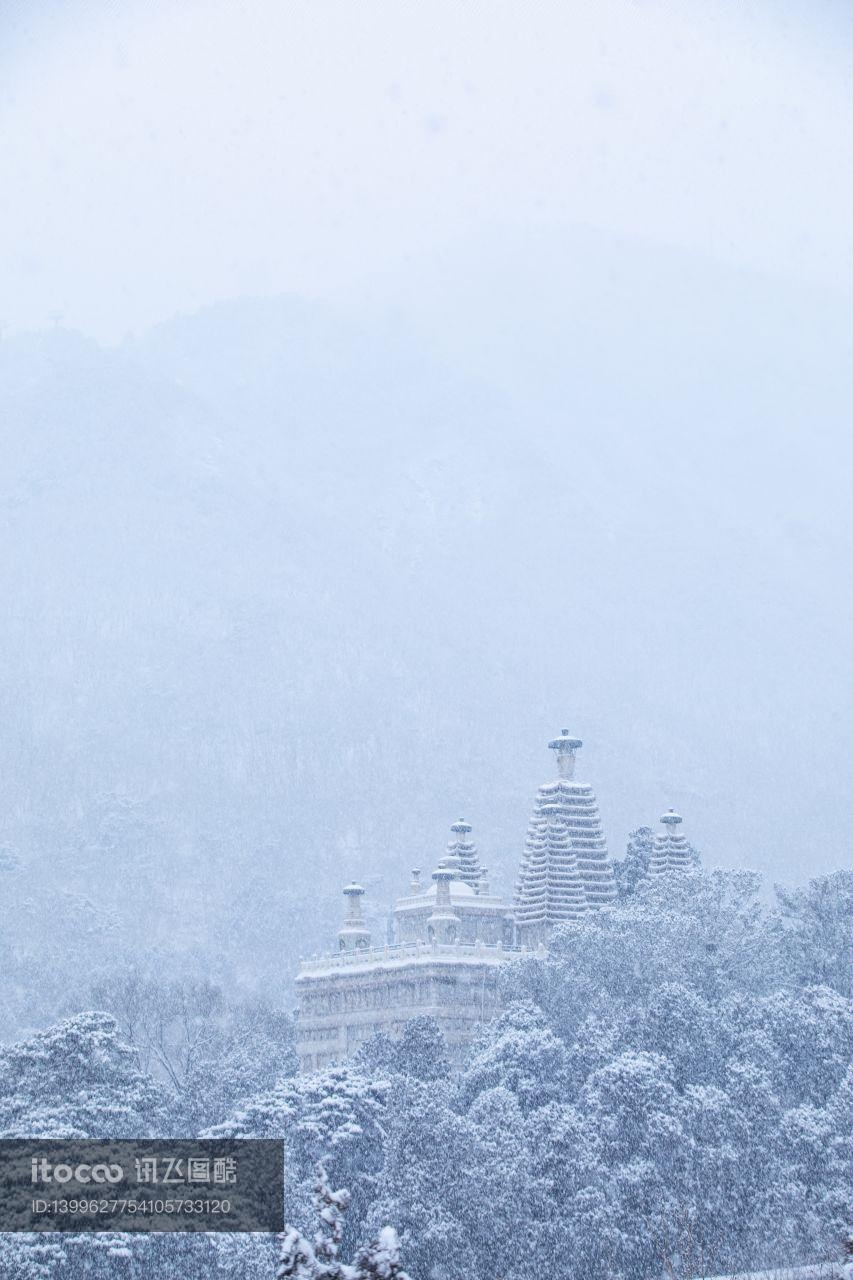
column 380, row 1260
column 376, row 1056
column 634, row 867
column 421, row 1052
column 320, row 1257
column 815, row 930
column 519, row 1052
column 336, row 1117
column 78, row 1080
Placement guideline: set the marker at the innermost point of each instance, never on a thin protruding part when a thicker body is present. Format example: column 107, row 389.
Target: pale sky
column 155, row 158
column 588, row 257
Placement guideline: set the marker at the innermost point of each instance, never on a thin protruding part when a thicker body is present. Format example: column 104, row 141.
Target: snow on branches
column 319, row 1258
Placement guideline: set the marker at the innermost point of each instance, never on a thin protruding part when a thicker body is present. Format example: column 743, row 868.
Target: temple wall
column 340, row 1010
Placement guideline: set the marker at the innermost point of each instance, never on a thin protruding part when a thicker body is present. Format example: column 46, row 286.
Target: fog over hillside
column 389, row 394
column 290, row 585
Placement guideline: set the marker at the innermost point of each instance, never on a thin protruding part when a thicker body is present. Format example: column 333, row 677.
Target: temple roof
column 461, row 895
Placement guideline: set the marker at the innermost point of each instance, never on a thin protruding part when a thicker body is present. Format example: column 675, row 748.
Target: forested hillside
column 669, row 1091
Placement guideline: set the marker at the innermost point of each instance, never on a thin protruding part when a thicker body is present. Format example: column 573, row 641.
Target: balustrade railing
column 492, row 951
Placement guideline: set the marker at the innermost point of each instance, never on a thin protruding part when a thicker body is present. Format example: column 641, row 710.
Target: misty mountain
column 288, row 588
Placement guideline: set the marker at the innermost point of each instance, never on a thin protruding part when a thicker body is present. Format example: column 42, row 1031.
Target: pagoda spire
column 565, row 870
column 462, row 855
column 565, row 747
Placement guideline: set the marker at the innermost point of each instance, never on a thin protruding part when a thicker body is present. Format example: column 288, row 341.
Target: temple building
column 451, row 935
column 457, row 906
column 450, row 938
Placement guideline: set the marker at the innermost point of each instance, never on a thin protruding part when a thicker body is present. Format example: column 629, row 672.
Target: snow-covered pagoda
column 671, row 849
column 451, row 934
column 565, row 870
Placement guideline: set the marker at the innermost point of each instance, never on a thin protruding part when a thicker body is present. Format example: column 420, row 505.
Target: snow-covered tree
column 77, row 1079
column 519, row 1052
column 319, row 1258
column 380, row 1260
column 815, row 924
column 427, row 1181
column 337, row 1117
column 634, row 867
column 30, row 1258
column 420, row 1052
column 210, row 1053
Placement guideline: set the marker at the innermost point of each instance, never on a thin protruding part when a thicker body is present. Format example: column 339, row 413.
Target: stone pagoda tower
column 565, row 870
column 462, row 853
column 670, row 850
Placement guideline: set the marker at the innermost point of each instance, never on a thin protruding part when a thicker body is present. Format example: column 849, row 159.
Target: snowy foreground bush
column 320, row 1257
column 669, row 1092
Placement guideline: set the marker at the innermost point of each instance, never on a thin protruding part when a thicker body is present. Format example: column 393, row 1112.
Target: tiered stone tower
column 463, row 851
column 670, row 850
column 565, row 870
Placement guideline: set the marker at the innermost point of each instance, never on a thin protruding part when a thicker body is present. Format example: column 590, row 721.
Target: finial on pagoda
column 415, row 885
column 565, row 748
column 671, row 818
column 461, row 828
